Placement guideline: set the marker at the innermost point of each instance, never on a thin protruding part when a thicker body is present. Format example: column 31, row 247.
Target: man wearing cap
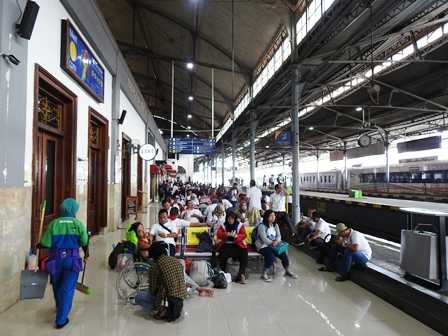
column 354, row 247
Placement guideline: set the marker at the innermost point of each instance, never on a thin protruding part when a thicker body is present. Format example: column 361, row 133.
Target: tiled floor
column 312, row 305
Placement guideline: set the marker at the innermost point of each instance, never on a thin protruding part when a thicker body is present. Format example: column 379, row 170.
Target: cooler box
column 419, row 254
column 355, row 193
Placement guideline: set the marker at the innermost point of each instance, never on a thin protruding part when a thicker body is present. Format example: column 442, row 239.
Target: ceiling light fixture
column 311, row 128
column 190, row 98
column 267, row 146
column 359, row 109
column 189, row 116
column 188, row 127
column 190, row 65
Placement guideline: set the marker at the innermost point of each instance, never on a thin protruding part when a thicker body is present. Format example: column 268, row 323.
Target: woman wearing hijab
column 231, row 243
column 63, row 237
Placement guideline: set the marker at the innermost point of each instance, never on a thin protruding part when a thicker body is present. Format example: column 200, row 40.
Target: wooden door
column 48, row 177
column 97, row 187
column 54, row 129
column 125, row 174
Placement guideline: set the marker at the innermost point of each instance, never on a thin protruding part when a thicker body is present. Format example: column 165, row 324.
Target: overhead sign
column 78, row 61
column 283, row 138
column 147, row 152
column 433, row 142
column 192, row 146
column 373, row 149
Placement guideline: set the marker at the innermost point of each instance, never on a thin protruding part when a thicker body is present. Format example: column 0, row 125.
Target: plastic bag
column 200, row 272
column 122, row 261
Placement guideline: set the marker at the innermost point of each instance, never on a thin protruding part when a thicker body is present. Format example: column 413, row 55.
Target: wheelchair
column 133, row 278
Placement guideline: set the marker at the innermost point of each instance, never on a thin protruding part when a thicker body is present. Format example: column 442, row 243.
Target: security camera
column 11, row 59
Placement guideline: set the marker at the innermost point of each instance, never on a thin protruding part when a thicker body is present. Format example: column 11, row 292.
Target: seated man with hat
column 354, row 248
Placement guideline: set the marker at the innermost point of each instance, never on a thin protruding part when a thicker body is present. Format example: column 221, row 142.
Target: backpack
column 205, row 242
column 254, row 235
column 219, row 280
column 120, row 248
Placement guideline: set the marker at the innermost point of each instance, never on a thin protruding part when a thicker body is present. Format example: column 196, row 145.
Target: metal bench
column 188, row 244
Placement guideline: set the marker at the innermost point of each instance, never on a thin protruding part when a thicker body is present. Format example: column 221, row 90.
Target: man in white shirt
column 217, row 217
column 278, row 205
column 354, row 247
column 320, row 228
column 227, row 204
column 165, row 231
column 278, row 200
column 317, row 239
column 254, row 196
column 191, row 214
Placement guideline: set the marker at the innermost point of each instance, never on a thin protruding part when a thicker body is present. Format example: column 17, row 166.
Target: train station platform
column 283, row 307
column 377, row 202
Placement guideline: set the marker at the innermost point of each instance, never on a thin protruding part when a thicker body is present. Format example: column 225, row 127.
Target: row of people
column 229, row 235
column 352, row 245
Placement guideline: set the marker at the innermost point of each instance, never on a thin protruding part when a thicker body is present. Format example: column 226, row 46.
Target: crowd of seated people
column 227, row 214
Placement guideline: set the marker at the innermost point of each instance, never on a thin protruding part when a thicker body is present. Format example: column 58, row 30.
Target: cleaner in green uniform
column 63, row 237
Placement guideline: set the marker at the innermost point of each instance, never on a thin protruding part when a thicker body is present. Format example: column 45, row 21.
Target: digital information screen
column 192, row 146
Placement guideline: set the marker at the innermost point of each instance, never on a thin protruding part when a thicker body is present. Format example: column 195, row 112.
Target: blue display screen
column 192, row 146
column 284, row 138
column 80, row 63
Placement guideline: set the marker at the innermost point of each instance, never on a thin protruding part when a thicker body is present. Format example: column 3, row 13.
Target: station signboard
column 192, row 146
column 78, row 61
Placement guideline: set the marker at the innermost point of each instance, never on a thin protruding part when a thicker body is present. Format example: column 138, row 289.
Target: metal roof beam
column 164, row 83
column 209, row 85
column 192, row 31
column 145, row 77
column 129, row 47
column 147, row 40
column 203, row 119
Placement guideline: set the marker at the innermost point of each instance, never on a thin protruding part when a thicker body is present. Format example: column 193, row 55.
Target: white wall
column 44, row 49
column 160, row 154
column 133, row 127
column 187, row 161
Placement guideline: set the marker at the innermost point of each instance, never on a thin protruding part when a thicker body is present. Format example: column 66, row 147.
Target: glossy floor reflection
column 312, row 305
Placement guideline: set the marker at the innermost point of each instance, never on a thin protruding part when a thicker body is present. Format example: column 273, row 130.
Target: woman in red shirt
column 230, row 238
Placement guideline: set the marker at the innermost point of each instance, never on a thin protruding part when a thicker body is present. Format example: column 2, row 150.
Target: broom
column 80, row 286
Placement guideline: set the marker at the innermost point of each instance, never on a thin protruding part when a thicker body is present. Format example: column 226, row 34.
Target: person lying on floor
column 354, row 248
